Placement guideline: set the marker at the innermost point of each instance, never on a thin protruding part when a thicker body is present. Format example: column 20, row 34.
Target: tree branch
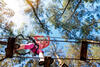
column 60, row 2
column 65, row 7
column 93, row 22
column 75, row 9
column 42, row 25
column 37, row 4
column 60, row 61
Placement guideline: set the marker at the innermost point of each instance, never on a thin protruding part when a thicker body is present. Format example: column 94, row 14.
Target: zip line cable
column 5, row 37
column 68, row 40
column 49, row 36
column 53, row 58
column 88, row 41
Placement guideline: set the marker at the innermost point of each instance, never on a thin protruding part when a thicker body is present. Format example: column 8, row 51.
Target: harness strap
column 21, row 53
column 33, row 49
column 35, row 45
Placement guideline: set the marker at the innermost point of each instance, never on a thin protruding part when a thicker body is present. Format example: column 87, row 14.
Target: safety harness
column 35, row 45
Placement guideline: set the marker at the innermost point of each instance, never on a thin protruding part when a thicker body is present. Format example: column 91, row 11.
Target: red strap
column 42, row 43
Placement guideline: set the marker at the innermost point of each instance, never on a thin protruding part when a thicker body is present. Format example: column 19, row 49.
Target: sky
column 94, row 11
column 19, row 18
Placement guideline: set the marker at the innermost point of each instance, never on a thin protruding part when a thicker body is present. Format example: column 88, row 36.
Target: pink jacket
column 33, row 48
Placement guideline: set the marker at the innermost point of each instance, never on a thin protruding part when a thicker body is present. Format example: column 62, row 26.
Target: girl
column 34, row 48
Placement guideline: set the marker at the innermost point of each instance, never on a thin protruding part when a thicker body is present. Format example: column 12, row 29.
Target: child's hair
column 16, row 46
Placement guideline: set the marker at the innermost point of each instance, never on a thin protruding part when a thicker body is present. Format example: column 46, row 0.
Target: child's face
column 38, row 42
column 16, row 46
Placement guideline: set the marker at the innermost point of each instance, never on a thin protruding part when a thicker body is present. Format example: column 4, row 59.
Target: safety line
column 53, row 58
column 88, row 41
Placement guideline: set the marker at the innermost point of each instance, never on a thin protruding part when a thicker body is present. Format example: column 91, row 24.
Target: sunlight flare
column 19, row 18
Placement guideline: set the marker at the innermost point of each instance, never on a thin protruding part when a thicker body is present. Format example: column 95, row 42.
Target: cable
column 60, row 41
column 90, row 42
column 45, row 36
column 53, row 58
column 49, row 36
column 77, row 41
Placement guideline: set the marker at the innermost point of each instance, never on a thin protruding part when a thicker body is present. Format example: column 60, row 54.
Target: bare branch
column 74, row 10
column 93, row 22
column 59, row 60
column 42, row 25
column 65, row 7
column 60, row 2
column 37, row 4
column 62, row 64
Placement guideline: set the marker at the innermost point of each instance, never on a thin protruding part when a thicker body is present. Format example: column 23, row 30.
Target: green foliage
column 74, row 52
column 5, row 15
column 95, row 52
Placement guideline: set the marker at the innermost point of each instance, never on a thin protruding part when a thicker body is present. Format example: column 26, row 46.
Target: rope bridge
column 83, row 53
